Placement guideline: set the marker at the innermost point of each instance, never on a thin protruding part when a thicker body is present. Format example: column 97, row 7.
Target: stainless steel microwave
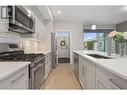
column 20, row 20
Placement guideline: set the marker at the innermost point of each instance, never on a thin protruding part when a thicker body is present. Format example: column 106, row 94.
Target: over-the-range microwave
column 20, row 20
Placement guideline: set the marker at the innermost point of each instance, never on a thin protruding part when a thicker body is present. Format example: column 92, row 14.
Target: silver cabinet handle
column 17, row 78
column 114, row 82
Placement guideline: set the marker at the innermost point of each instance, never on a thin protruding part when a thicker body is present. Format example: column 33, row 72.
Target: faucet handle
column 109, row 53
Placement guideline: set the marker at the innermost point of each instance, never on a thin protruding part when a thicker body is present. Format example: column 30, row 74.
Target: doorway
column 63, row 47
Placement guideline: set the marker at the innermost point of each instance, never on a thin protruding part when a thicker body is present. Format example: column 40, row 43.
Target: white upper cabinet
column 3, row 22
column 39, row 30
column 39, row 34
column 3, row 26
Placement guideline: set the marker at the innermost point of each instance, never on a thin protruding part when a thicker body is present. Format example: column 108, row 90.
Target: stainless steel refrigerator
column 54, row 49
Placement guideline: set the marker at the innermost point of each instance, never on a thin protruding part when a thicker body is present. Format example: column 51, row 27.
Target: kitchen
column 42, row 45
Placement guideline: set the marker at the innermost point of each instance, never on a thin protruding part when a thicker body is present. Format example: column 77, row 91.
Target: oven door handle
column 37, row 67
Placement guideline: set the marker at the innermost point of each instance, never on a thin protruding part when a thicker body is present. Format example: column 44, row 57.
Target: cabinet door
column 82, row 72
column 36, row 28
column 90, row 75
column 22, row 85
column 18, row 80
column 101, row 84
column 4, row 23
column 82, row 75
column 47, row 64
column 102, row 79
column 118, row 82
column 90, row 80
column 39, row 30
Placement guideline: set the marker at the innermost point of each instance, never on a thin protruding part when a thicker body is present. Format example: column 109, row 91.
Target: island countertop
column 9, row 68
column 116, row 65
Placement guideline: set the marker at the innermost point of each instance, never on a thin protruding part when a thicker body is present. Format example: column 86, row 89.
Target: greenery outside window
column 96, row 39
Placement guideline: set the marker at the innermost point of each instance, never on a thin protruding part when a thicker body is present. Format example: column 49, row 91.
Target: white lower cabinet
column 102, row 79
column 18, row 80
column 118, row 82
column 82, row 74
column 48, row 64
column 86, row 73
column 108, row 80
column 92, row 76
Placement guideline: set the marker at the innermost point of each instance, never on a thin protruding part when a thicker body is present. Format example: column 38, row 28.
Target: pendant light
column 93, row 26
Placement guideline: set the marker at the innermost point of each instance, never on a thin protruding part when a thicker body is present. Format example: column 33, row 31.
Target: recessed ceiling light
column 58, row 12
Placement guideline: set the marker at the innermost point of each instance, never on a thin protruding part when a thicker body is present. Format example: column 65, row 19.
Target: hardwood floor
column 62, row 77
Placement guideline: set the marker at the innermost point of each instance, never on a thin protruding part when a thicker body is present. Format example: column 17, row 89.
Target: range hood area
column 20, row 20
column 17, row 29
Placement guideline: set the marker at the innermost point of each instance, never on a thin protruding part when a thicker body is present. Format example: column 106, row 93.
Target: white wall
column 76, row 34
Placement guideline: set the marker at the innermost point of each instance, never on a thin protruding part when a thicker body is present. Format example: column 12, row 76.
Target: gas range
column 36, row 68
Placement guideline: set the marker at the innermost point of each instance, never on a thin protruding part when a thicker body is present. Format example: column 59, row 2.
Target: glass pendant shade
column 93, row 27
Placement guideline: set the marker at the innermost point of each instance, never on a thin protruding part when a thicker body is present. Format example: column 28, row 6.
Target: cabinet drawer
column 111, row 79
column 102, row 72
column 90, row 66
column 118, row 82
column 81, row 60
column 15, row 79
column 103, row 76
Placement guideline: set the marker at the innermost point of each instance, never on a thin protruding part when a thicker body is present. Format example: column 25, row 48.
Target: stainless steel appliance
column 37, row 74
column 20, row 20
column 76, row 64
column 54, row 48
column 36, row 68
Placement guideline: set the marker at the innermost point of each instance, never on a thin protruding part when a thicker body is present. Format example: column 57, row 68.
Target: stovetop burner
column 21, row 57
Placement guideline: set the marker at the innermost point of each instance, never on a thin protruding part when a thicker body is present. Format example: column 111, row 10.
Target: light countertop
column 45, row 51
column 116, row 65
column 8, row 68
column 40, row 51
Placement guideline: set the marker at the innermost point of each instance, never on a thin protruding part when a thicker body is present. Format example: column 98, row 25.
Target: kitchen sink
column 98, row 56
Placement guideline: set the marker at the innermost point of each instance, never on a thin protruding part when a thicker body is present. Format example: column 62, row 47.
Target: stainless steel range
column 36, row 68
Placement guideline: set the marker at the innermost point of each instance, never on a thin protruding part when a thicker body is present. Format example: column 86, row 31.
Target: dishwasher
column 76, row 64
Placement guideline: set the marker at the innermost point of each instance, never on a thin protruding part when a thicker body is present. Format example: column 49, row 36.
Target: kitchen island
column 101, row 73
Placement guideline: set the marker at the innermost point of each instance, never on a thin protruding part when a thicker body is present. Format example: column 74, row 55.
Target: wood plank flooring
column 62, row 77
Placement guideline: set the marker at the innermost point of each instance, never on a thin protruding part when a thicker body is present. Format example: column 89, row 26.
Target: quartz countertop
column 41, row 51
column 116, row 65
column 9, row 68
column 45, row 51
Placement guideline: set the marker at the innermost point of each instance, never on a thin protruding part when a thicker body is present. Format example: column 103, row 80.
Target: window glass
column 94, row 41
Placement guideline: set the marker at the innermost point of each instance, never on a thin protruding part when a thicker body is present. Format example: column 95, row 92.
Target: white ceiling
column 44, row 12
column 90, row 14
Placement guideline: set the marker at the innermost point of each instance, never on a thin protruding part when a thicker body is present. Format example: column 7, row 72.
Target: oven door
column 38, row 76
